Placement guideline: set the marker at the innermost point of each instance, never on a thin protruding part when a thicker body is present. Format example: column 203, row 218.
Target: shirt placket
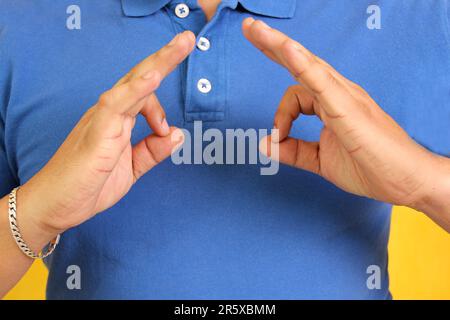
column 204, row 74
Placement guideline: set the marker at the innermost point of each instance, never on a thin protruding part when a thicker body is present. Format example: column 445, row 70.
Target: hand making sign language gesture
column 96, row 165
column 362, row 149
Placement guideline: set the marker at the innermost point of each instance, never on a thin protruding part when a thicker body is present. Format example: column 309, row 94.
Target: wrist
column 435, row 200
column 36, row 232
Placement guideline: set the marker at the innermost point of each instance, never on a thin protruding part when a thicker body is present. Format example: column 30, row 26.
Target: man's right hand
column 97, row 165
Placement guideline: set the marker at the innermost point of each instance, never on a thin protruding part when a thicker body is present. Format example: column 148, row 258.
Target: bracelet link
column 12, row 215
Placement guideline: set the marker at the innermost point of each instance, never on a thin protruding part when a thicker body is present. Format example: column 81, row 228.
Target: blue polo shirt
column 218, row 231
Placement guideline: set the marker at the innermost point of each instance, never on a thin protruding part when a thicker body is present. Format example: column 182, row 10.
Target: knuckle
column 158, row 54
column 154, row 159
column 106, row 99
column 308, row 66
column 163, row 113
column 291, row 90
column 315, row 58
column 311, row 62
column 368, row 110
column 131, row 74
column 134, row 87
column 134, row 71
column 329, row 78
column 108, row 125
column 285, row 45
column 326, row 81
column 359, row 89
column 291, row 107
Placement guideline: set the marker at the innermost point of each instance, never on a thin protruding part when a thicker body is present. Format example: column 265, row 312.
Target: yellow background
column 419, row 261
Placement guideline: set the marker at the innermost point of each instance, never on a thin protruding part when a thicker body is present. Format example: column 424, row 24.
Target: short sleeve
column 7, row 179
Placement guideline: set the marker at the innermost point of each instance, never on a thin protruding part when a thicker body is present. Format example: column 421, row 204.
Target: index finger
column 270, row 41
column 320, row 79
column 165, row 60
column 273, row 42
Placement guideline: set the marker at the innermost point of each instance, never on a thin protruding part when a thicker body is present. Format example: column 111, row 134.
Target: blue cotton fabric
column 218, row 231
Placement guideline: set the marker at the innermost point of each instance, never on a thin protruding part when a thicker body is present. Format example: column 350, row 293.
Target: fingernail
column 264, row 146
column 275, row 135
column 249, row 20
column 165, row 127
column 177, row 138
column 148, row 75
column 264, row 25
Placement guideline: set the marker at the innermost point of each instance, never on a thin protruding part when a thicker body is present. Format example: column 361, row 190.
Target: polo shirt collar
column 270, row 8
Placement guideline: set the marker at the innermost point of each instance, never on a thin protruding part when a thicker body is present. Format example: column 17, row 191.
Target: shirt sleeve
column 7, row 178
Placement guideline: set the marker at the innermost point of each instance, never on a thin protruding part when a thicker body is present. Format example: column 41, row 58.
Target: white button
column 203, row 44
column 182, row 10
column 204, row 85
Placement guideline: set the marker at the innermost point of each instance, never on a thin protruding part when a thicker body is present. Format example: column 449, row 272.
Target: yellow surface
column 419, row 257
column 32, row 285
column 419, row 261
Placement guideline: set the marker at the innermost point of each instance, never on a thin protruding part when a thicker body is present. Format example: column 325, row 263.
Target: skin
column 96, row 165
column 209, row 7
column 361, row 150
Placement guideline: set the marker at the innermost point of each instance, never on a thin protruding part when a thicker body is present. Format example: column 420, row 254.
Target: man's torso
column 220, row 231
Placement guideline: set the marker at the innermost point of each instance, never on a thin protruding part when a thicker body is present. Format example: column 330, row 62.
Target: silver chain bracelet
column 12, row 208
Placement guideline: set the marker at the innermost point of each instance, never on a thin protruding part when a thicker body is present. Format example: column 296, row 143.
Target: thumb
column 153, row 149
column 293, row 152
